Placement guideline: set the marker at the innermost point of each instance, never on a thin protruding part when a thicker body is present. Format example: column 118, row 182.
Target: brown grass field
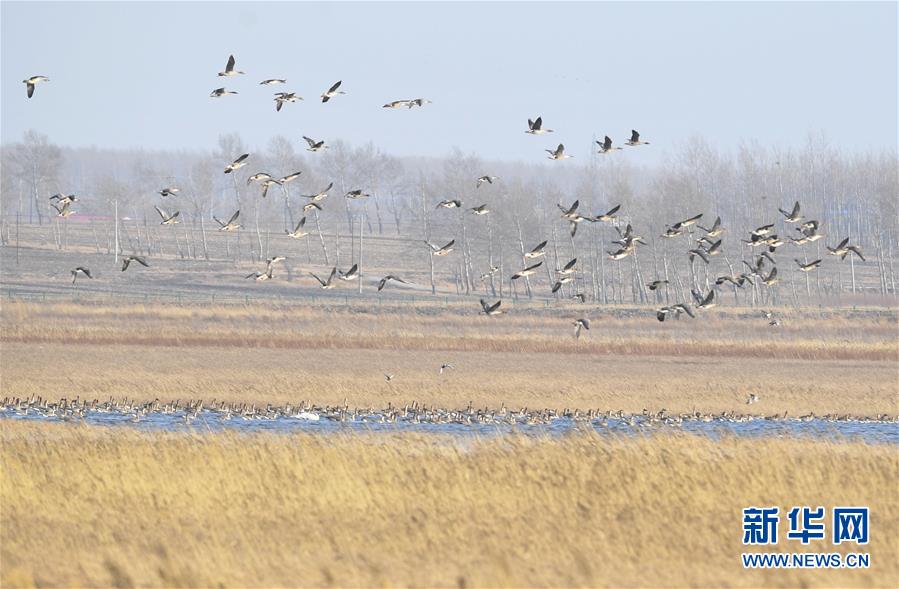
column 96, row 507
column 839, row 363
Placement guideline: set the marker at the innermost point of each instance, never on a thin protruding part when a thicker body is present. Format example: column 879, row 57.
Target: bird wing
column 140, row 261
column 634, row 136
column 230, row 66
column 539, row 247
column 241, row 158
column 161, row 213
column 310, row 141
column 335, row 86
column 320, row 281
column 450, row 244
column 613, row 210
column 30, row 88
column 233, row 217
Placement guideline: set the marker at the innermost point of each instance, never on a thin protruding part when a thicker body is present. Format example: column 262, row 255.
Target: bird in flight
column 558, row 153
column 605, row 146
column 321, row 195
column 356, row 194
column 480, row 210
column 490, row 309
column 351, row 274
column 80, row 270
column 445, row 366
column 635, row 139
column 487, row 179
column 237, row 164
column 166, row 218
column 398, row 104
column 792, row 216
column 807, row 267
column 272, row 82
column 230, row 225
column 332, row 91
column 326, row 284
column 535, row 127
column 219, row 92
column 528, row 271
column 383, row 282
column 298, row 231
column 449, row 204
column 315, row 145
column 31, row 82
column 441, row 251
column 283, row 97
column 538, row 251
column 229, row 68
column 169, row 191
column 580, row 324
column 127, row 262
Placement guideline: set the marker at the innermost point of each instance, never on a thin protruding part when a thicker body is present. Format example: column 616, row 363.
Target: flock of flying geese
column 706, row 246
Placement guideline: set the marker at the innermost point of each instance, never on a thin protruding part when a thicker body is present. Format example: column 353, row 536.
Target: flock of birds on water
column 171, row 413
column 708, row 245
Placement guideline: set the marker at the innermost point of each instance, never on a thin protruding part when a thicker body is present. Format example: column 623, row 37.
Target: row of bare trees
column 852, row 195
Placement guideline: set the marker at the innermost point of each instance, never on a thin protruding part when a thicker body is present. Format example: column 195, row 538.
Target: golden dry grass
column 823, row 363
column 96, row 507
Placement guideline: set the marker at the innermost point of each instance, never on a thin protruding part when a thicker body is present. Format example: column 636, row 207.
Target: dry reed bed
column 807, row 337
column 95, row 507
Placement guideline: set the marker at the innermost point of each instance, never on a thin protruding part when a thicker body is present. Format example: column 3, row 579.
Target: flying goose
column 64, row 211
column 80, row 270
column 621, row 253
column 527, row 271
column 706, row 302
column 309, row 206
column 571, row 212
column 326, row 284
column 610, row 215
column 62, row 198
column 715, row 230
column 388, row 376
column 562, row 280
column 298, row 231
column 493, row 270
column 488, row 179
column 672, row 232
column 272, row 82
column 441, row 251
column 793, row 216
column 568, row 268
column 580, row 324
column 266, row 184
column 332, row 92
column 315, row 145
column 735, row 280
column 580, row 297
column 351, row 274
column 282, row 97
column 261, row 276
column 763, row 230
column 290, row 177
column 31, row 82
column 230, row 225
column 383, row 282
column 677, row 309
column 237, row 164
column 489, row 309
column 558, row 154
column 449, row 204
column 807, row 267
column 356, row 194
column 229, row 68
column 480, row 210
column 535, row 127
column 444, row 367
column 321, row 195
column 127, row 262
column 605, row 146
column 752, row 397
column 843, row 249
column 219, row 92
column 166, row 218
column 655, row 284
column 398, row 104
column 270, row 263
column 537, row 251
column 635, row 139
column 771, row 279
column 259, row 176
column 688, row 222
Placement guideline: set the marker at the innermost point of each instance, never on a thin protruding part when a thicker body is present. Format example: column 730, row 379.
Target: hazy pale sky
column 140, row 74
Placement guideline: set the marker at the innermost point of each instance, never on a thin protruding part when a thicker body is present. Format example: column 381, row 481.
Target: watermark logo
column 805, row 524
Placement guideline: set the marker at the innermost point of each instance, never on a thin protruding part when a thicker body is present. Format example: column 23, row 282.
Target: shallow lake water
column 865, row 430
